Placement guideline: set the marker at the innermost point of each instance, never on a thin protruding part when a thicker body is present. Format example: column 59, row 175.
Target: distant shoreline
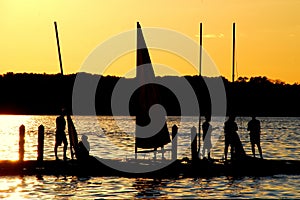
column 44, row 94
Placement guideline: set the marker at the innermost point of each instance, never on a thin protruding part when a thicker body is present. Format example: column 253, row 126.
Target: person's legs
column 65, row 151
column 55, row 151
column 232, row 151
column 65, row 147
column 253, row 149
column 259, row 150
column 58, row 141
column 226, row 150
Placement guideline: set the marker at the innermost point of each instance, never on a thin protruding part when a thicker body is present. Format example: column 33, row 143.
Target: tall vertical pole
column 60, row 59
column 233, row 50
column 58, row 48
column 200, row 56
column 200, row 77
column 62, row 74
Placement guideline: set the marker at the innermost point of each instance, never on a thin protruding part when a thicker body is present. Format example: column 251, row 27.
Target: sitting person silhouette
column 83, row 148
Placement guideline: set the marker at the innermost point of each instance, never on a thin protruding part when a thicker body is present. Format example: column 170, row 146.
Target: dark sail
column 72, row 137
column 147, row 97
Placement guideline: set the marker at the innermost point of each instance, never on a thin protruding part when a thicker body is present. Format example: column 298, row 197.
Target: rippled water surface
column 114, row 139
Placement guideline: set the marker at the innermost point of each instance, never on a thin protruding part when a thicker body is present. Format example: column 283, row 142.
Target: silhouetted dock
column 179, row 168
column 184, row 167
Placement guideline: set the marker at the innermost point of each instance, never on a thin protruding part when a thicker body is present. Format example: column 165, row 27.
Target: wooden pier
column 179, row 168
column 92, row 166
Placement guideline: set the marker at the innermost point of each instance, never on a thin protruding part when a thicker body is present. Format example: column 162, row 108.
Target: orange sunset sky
column 267, row 33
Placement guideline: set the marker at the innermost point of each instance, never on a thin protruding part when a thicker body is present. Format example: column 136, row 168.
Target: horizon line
column 66, row 74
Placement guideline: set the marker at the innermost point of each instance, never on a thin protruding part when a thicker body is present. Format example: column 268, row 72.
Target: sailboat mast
column 233, row 50
column 58, row 49
column 200, row 76
column 200, row 56
column 73, row 137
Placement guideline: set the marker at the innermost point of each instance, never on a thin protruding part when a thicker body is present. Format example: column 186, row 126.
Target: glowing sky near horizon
column 267, row 33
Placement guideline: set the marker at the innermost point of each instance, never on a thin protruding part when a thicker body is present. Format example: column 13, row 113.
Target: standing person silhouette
column 230, row 130
column 254, row 128
column 60, row 135
column 207, row 130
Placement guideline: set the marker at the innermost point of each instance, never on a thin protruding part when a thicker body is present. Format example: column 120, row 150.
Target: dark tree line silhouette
column 29, row 93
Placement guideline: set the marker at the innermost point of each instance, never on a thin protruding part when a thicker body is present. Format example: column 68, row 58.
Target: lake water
column 114, row 138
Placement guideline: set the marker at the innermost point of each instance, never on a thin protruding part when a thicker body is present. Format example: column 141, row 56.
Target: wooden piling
column 41, row 131
column 21, row 142
column 194, row 144
column 174, row 142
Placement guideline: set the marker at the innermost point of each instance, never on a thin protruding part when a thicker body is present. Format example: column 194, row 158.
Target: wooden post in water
column 174, row 142
column 40, row 155
column 194, row 143
column 21, row 142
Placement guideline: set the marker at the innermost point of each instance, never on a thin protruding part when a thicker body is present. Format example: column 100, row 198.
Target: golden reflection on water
column 72, row 187
column 9, row 132
column 9, row 187
column 280, row 138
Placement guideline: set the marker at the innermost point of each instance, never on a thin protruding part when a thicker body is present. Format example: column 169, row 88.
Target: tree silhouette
column 28, row 93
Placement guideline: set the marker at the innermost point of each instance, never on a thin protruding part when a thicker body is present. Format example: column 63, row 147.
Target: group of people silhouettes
column 232, row 139
column 60, row 137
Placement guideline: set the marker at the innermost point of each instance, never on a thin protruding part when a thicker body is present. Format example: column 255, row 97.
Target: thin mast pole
column 69, row 119
column 233, row 50
column 200, row 56
column 58, row 49
column 200, row 77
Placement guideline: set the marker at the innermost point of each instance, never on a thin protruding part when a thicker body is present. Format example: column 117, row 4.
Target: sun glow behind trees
column 267, row 33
